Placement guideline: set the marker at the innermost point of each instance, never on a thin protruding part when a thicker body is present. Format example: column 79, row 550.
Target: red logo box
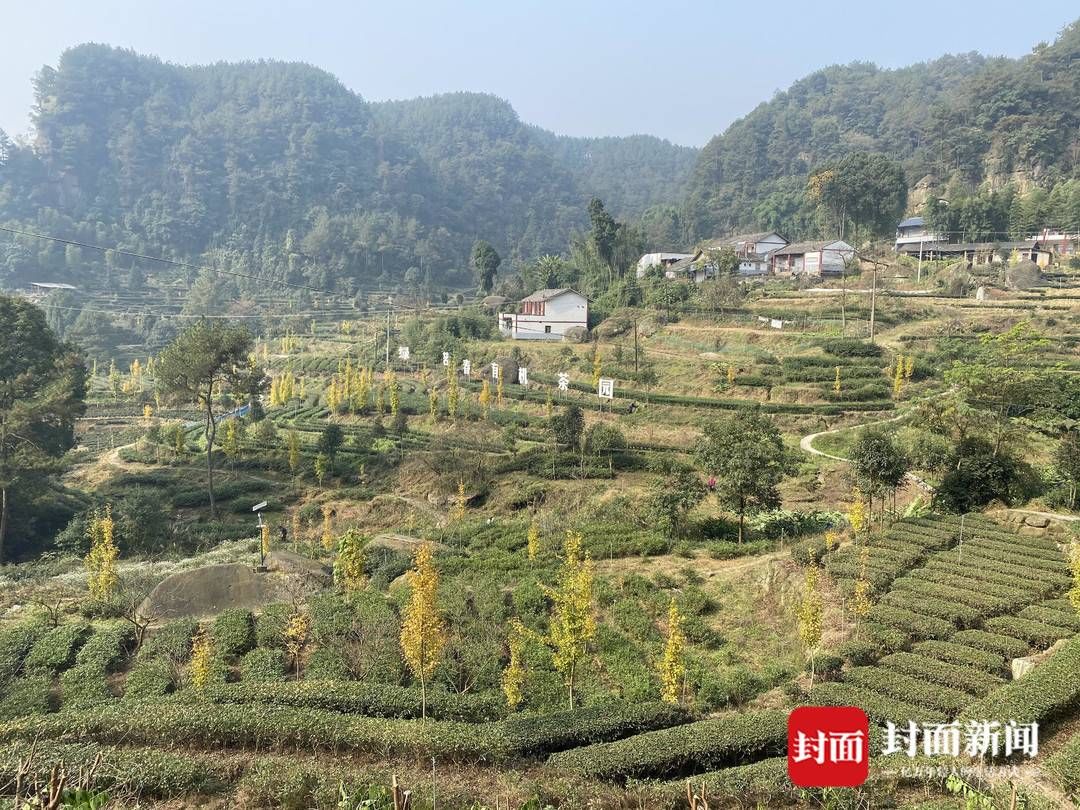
column 828, row 746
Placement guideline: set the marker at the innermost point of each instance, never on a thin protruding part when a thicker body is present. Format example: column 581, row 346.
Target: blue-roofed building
column 911, row 233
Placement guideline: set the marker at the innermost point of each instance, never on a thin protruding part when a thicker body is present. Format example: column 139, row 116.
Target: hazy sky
column 675, row 68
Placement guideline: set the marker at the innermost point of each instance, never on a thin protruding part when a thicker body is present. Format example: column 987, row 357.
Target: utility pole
column 389, row 302
column 873, row 303
column 635, row 346
column 919, row 276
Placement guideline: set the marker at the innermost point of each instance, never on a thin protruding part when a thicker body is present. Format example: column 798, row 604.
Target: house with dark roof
column 986, row 253
column 912, row 234
column 546, row 315
column 820, row 258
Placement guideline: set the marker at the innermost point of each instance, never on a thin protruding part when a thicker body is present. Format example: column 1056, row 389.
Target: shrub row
column 985, row 604
column 979, row 559
column 759, row 784
column 915, row 624
column 961, row 654
column 178, row 721
column 15, row 643
column 1035, row 553
column 1038, row 634
column 142, row 771
column 954, row 612
column 1012, row 597
column 1048, row 690
column 1005, row 645
column 25, row 695
column 150, row 677
column 233, row 632
column 55, row 650
column 107, row 648
column 1052, row 615
column 372, row 700
column 1064, row 766
column 905, row 687
column 975, row 681
column 879, row 707
column 263, row 664
column 705, row 745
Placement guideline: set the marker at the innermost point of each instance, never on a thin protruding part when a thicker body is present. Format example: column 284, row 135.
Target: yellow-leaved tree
column 296, row 636
column 349, row 564
column 597, row 370
column 513, row 677
column 836, row 381
column 860, row 600
column 327, row 536
column 499, row 391
column 811, row 614
column 532, row 541
column 292, row 441
column 103, row 579
column 672, row 666
column 730, row 374
column 857, row 514
column 457, row 513
column 423, row 632
column 572, row 625
column 202, row 659
column 485, row 397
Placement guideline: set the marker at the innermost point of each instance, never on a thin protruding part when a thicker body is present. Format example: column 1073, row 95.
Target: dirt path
column 671, row 563
column 1049, row 515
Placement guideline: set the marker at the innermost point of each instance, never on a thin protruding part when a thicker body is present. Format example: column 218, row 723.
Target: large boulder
column 576, row 334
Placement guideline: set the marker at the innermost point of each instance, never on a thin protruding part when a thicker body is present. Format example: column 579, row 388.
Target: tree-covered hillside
column 958, row 124
column 280, row 169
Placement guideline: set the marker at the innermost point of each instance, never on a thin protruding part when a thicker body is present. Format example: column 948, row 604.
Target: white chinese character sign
column 564, row 381
column 403, row 353
column 466, row 367
column 446, row 358
column 494, row 371
column 523, row 376
column 606, row 388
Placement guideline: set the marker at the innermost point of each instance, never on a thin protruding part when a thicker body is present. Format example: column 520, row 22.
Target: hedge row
column 975, row 681
column 1052, row 615
column 55, row 650
column 15, row 643
column 371, row 700
column 961, row 654
column 233, row 632
column 954, row 612
column 978, row 559
column 142, row 771
column 177, row 721
column 695, row 747
column 915, row 624
column 28, row 694
column 1038, row 634
column 905, row 687
column 879, row 707
column 984, row 603
column 759, row 784
column 1064, row 766
column 1005, row 645
column 107, row 648
column 1050, row 689
column 263, row 665
column 1035, row 553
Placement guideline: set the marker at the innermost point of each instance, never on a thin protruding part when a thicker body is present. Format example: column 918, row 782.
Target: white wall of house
column 773, row 241
column 557, row 315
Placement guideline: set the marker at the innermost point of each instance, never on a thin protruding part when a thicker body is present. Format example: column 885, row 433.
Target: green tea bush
column 263, row 664
column 1005, row 645
column 84, row 685
column 15, row 644
column 961, row 654
column 1048, row 691
column 918, row 589
column 915, row 624
column 149, row 772
column 1064, row 766
column 271, row 624
column 850, row 347
column 326, row 664
column 107, row 648
column 233, row 632
column 534, row 734
column 1038, row 634
column 373, row 700
column 975, row 681
column 149, row 677
column 880, row 708
column 55, row 651
column 173, row 641
column 29, row 694
column 953, row 612
column 887, row 681
column 759, row 784
column 1052, row 616
column 704, row 745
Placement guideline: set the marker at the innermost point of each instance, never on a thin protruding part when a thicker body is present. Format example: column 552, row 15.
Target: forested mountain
column 960, row 125
column 280, row 169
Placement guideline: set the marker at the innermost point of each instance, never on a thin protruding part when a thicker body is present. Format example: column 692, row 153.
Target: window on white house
column 547, row 329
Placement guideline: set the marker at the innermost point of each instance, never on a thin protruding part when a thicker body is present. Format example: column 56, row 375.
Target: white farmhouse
column 546, row 315
column 658, row 260
column 824, row 258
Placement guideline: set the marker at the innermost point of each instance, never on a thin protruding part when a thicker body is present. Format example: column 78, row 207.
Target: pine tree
column 811, row 614
column 572, row 626
column 513, row 677
column 103, row 579
column 672, row 666
column 532, row 541
column 202, row 659
column 423, row 632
